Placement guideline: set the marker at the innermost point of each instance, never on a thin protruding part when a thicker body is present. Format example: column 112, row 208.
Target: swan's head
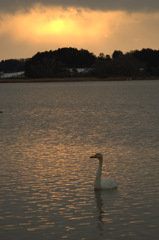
column 97, row 155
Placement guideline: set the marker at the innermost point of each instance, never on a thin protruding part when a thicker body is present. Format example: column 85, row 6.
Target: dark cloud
column 128, row 5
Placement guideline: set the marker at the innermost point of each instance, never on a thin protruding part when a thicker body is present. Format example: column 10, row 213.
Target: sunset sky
column 31, row 26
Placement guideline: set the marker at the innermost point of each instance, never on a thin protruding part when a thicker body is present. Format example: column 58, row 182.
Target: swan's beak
column 93, row 156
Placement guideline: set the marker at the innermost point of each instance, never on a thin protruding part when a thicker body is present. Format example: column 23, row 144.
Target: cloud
column 105, row 5
column 42, row 24
column 44, row 28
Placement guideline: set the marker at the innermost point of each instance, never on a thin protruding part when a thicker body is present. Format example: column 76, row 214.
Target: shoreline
column 78, row 79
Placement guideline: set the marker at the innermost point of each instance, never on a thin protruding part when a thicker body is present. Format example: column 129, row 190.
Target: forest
column 66, row 62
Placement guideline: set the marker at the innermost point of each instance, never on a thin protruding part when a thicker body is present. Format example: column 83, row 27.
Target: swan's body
column 107, row 183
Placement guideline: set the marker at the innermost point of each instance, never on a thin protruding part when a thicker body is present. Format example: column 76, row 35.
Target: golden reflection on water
column 47, row 176
column 54, row 189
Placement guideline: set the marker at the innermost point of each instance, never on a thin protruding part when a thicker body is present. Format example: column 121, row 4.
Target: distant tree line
column 12, row 65
column 132, row 64
column 58, row 63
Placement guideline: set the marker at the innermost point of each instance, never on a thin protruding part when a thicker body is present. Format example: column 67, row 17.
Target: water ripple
column 48, row 133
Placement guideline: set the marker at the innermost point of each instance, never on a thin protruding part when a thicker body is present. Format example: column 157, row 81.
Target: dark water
column 48, row 131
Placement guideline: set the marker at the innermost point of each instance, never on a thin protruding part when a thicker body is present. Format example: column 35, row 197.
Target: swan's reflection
column 104, row 199
column 99, row 203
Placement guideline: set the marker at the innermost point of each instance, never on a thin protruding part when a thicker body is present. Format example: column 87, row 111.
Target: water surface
column 48, row 131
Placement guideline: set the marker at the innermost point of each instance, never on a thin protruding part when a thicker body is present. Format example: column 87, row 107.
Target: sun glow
column 41, row 22
column 54, row 27
column 44, row 28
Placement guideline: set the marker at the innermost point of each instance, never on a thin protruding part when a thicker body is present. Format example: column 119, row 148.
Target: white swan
column 107, row 183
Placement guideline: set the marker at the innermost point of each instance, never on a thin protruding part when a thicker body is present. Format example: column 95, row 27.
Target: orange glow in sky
column 48, row 28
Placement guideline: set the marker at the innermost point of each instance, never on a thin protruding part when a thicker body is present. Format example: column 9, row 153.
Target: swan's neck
column 98, row 176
